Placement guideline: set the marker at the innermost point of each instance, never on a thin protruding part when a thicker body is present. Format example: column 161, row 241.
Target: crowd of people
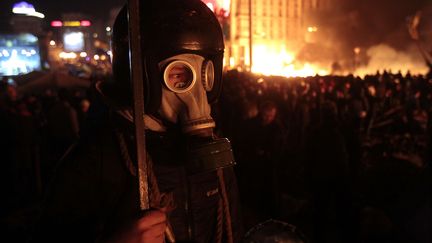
column 343, row 158
column 36, row 130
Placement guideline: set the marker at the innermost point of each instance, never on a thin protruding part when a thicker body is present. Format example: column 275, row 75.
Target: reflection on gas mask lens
column 179, row 77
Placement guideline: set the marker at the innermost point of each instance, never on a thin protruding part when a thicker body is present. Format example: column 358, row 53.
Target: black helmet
column 168, row 28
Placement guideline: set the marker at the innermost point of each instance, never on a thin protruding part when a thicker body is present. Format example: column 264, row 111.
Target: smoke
column 377, row 27
column 383, row 57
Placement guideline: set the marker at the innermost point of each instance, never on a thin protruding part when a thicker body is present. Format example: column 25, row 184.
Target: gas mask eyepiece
column 207, row 75
column 179, row 76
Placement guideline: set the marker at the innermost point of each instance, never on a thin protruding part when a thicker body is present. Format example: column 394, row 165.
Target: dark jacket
column 93, row 193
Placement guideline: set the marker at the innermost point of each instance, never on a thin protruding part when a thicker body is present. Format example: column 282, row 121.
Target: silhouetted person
column 261, row 149
column 95, row 195
column 62, row 128
column 17, row 162
column 326, row 173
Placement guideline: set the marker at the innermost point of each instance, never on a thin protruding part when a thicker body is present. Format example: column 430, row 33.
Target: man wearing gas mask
column 95, row 194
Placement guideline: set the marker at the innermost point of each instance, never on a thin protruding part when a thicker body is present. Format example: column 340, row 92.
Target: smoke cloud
column 378, row 28
column 383, row 57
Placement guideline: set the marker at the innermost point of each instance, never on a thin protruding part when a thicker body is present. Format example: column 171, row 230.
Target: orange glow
column 216, row 5
column 71, row 23
column 312, row 29
column 282, row 64
column 357, row 50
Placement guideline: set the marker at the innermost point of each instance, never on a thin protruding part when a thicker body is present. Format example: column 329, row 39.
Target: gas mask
column 187, row 78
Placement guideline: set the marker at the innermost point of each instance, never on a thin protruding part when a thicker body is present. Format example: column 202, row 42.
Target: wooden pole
column 135, row 62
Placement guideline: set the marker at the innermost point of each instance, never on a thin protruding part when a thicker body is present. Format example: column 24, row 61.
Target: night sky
column 385, row 10
column 358, row 22
column 53, row 8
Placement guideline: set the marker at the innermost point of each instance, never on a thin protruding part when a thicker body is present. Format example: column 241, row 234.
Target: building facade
column 278, row 27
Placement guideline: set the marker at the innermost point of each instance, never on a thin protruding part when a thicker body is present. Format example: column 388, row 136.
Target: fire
column 282, row 64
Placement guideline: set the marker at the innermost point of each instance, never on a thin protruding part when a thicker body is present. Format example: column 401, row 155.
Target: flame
column 282, row 64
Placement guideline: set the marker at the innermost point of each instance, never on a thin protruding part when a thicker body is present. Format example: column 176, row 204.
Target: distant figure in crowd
column 84, row 107
column 17, row 146
column 327, row 176
column 62, row 127
column 260, row 151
